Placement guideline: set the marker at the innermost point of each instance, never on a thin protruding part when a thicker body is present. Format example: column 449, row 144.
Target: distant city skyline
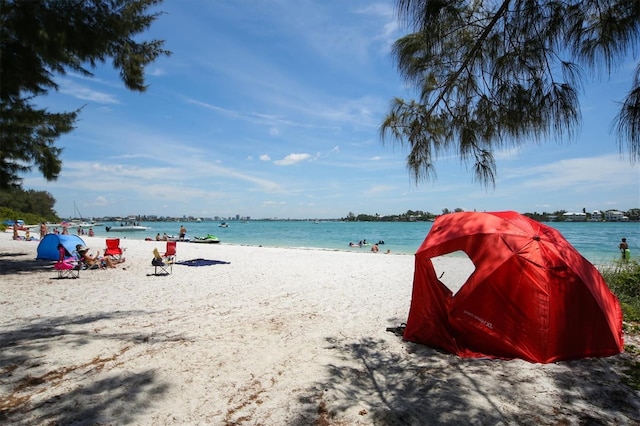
column 274, row 109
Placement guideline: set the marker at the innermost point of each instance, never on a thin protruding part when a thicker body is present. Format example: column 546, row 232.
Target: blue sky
column 272, row 109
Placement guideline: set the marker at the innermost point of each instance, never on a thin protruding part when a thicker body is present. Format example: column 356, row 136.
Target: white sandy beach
column 274, row 337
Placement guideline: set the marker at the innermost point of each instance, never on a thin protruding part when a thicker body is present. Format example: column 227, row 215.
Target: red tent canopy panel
column 532, row 295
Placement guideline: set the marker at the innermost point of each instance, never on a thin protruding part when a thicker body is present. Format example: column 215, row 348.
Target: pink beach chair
column 67, row 265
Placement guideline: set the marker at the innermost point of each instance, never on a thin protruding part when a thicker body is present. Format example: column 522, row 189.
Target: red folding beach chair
column 113, row 249
column 170, row 254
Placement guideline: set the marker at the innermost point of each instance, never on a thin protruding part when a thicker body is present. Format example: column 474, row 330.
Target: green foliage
column 491, row 74
column 19, row 204
column 632, row 368
column 409, row 216
column 9, row 214
column 42, row 39
column 624, row 281
column 28, row 135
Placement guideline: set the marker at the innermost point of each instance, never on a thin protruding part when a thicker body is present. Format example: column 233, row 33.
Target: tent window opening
column 453, row 277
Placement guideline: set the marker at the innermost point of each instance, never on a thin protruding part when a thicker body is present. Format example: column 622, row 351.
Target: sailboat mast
column 77, row 212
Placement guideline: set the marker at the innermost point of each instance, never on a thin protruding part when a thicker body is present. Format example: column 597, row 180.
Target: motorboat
column 223, row 225
column 209, row 239
column 126, row 227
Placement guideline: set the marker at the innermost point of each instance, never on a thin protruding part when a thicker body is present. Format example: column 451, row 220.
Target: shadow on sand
column 37, row 391
column 22, row 263
column 421, row 386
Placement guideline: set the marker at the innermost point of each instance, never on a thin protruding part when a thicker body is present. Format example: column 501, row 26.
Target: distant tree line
column 422, row 216
column 409, row 216
column 632, row 214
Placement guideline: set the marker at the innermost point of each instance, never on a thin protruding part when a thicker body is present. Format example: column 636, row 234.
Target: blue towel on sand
column 202, row 262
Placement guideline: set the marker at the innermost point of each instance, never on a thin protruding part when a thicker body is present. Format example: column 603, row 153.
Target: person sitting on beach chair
column 164, row 265
column 94, row 262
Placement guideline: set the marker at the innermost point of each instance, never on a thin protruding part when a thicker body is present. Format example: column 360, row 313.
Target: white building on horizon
column 575, row 217
column 615, row 216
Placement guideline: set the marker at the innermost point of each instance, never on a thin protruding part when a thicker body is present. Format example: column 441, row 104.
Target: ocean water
column 597, row 241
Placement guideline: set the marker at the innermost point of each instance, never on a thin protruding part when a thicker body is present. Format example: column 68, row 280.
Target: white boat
column 83, row 224
column 79, row 220
column 223, row 225
column 126, row 227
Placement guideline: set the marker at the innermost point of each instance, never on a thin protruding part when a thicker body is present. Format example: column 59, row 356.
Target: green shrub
column 9, row 214
column 624, row 281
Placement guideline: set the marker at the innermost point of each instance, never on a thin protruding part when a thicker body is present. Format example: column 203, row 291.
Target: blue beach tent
column 48, row 247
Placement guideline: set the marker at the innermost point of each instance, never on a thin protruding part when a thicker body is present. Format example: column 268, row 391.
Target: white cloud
column 156, row 72
column 78, row 91
column 379, row 189
column 292, row 159
column 607, row 171
column 101, row 201
column 265, row 157
column 273, row 203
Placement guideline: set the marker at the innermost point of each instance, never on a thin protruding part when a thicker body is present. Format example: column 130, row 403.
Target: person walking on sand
column 624, row 250
column 183, row 232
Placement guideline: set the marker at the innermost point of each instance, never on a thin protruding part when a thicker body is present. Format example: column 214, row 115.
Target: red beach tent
column 532, row 295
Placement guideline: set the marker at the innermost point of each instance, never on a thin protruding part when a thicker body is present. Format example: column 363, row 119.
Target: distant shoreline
column 597, row 241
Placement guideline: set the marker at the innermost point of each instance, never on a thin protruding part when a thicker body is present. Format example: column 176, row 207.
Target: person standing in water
column 624, row 250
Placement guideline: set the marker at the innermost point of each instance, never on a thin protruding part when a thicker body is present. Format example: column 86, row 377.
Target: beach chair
column 113, row 249
column 68, row 266
column 161, row 267
column 169, row 255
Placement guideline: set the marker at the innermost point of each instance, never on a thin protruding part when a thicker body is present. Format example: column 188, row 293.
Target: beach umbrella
column 531, row 296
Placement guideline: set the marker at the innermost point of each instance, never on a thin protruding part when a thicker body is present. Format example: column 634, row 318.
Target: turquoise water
column 597, row 241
